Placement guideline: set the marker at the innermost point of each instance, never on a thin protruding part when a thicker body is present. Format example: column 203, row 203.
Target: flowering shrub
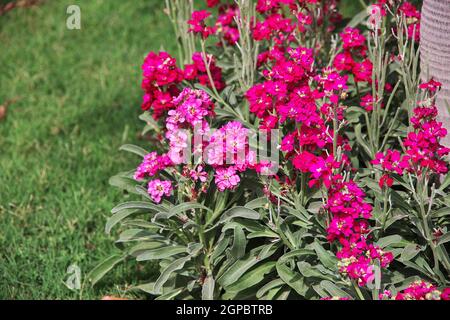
column 352, row 201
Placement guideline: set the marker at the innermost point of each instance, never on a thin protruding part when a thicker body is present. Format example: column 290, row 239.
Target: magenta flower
column 198, row 174
column 226, row 178
column 198, row 25
column 151, row 165
column 157, row 189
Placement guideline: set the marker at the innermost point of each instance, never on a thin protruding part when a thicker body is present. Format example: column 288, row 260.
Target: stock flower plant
column 292, row 160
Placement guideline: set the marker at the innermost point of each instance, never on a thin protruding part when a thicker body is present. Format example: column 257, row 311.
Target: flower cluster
column 412, row 16
column 198, row 25
column 228, row 152
column 290, row 94
column 421, row 290
column 281, row 30
column 226, row 24
column 423, row 150
column 304, row 93
column 190, row 110
column 160, row 78
column 227, row 149
column 349, row 226
column 198, row 71
column 354, row 57
column 151, row 165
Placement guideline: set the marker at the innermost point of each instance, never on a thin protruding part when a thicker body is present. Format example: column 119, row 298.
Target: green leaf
column 115, row 219
column 395, row 218
column 238, row 249
column 399, row 202
column 257, row 203
column 415, row 266
column 134, row 149
column 182, row 207
column 237, row 269
column 146, row 287
column 143, row 192
column 170, row 295
column 302, row 214
column 443, row 212
column 165, row 274
column 444, row 239
column 361, row 140
column 269, row 286
column 445, row 183
column 151, row 123
column 135, row 234
column 252, row 277
column 161, row 253
column 142, row 247
column 295, row 280
column 254, row 227
column 332, row 289
column 387, row 241
column 239, row 212
column 124, row 183
column 137, row 205
column 295, row 254
column 103, row 268
column 194, row 248
column 328, row 259
column 220, row 248
column 309, row 271
column 409, row 252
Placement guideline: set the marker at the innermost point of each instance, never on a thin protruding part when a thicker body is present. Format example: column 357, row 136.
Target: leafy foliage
column 357, row 209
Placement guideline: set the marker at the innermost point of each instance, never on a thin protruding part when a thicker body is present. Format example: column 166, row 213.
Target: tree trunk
column 435, row 53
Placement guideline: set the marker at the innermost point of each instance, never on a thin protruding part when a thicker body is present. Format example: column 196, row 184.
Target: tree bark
column 435, row 53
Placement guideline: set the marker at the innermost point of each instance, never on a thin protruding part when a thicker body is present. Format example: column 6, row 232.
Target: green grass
column 78, row 101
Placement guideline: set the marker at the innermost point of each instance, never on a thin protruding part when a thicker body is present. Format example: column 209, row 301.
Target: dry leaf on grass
column 4, row 107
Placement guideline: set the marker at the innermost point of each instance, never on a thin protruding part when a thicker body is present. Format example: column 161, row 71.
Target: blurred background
column 68, row 100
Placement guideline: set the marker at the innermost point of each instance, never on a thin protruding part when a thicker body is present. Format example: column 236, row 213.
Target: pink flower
column 197, row 71
column 212, row 3
column 413, row 19
column 352, row 38
column 157, row 189
column 198, row 26
column 340, row 227
column 385, row 180
column 343, row 61
column 367, row 102
column 192, row 106
column 151, row 165
column 445, row 294
column 199, row 174
column 363, row 71
column 161, row 69
column 420, row 290
column 288, row 144
column 226, row 178
column 304, row 161
column 226, row 24
column 160, row 79
column 431, row 85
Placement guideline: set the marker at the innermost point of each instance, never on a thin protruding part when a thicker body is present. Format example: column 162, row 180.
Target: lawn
column 77, row 96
